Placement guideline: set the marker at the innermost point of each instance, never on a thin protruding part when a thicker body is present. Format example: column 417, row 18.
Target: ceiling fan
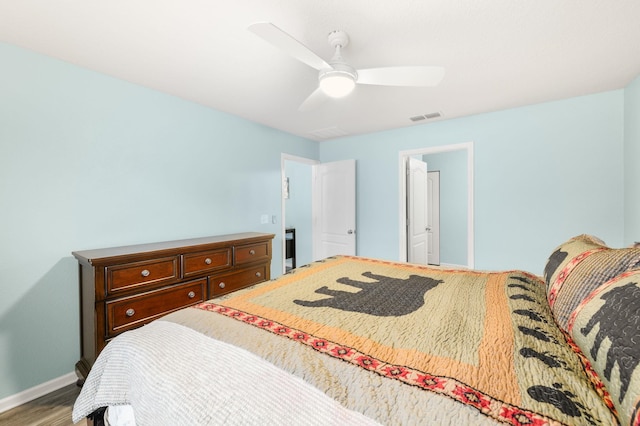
column 337, row 78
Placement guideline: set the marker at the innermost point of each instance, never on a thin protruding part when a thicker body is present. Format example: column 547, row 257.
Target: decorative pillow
column 578, row 267
column 606, row 326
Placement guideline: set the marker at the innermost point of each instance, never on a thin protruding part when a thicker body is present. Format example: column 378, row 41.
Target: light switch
column 264, row 219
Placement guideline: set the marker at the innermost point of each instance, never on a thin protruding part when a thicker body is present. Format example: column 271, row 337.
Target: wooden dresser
column 122, row 288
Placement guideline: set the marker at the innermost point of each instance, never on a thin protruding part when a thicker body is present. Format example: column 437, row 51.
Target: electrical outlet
column 264, row 219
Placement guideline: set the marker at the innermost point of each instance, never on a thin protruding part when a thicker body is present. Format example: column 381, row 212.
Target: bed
column 354, row 340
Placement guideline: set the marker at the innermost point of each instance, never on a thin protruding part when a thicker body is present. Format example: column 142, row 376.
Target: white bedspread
column 204, row 388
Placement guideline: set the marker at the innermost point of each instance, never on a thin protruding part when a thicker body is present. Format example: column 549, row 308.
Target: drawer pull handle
column 252, row 252
column 130, row 312
column 221, row 285
column 207, row 261
column 258, row 274
column 191, row 295
column 145, row 273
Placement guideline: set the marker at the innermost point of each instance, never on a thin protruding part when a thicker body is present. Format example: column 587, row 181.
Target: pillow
column 606, row 326
column 578, row 267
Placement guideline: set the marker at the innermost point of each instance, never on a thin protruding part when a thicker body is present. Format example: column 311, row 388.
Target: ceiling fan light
column 337, row 84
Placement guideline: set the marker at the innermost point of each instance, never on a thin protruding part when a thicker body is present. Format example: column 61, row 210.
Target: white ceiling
column 497, row 53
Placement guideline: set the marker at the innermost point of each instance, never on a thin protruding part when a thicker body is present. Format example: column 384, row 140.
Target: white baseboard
column 36, row 392
column 453, row 266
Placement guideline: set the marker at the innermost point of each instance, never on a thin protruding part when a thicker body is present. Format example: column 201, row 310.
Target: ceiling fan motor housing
column 338, row 38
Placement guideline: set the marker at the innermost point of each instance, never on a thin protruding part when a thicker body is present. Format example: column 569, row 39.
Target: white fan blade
column 313, row 101
column 275, row 36
column 418, row 76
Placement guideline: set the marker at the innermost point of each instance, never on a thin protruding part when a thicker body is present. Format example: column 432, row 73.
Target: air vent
column 327, row 133
column 428, row 116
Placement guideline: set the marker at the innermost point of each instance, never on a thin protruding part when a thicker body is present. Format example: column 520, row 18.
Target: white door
column 433, row 217
column 417, row 236
column 334, row 207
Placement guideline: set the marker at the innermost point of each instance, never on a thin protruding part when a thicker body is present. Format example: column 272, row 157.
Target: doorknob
column 427, row 229
column 350, row 231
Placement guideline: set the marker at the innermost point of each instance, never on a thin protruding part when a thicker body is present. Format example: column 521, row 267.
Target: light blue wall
column 543, row 173
column 632, row 162
column 88, row 161
column 453, row 204
column 298, row 209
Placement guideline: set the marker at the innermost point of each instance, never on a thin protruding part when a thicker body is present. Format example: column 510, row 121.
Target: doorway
column 463, row 171
column 297, row 209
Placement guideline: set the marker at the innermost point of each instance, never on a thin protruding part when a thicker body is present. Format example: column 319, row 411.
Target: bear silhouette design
column 618, row 321
column 386, row 297
column 555, row 260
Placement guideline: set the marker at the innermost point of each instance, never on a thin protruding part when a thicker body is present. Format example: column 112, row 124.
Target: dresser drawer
column 131, row 312
column 251, row 253
column 139, row 274
column 206, row 261
column 232, row 282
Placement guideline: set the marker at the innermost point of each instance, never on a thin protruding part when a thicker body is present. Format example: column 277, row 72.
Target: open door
column 334, row 207
column 417, row 212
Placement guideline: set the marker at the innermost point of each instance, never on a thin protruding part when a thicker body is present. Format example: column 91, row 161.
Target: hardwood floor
column 53, row 409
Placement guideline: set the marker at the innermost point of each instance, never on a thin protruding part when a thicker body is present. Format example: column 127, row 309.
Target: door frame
column 435, row 216
column 402, row 160
column 283, row 158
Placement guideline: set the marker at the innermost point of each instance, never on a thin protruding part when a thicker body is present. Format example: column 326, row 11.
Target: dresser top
column 92, row 257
